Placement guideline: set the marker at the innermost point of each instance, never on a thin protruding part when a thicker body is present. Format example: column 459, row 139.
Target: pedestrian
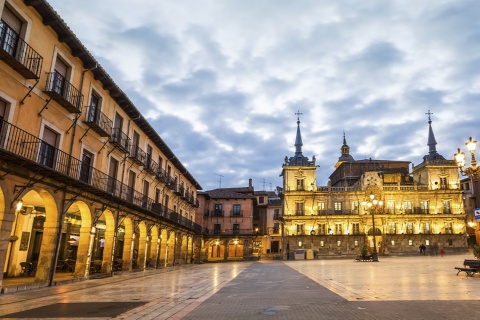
column 424, row 248
column 442, row 252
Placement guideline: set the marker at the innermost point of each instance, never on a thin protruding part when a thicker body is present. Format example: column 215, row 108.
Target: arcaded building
column 407, row 208
column 86, row 184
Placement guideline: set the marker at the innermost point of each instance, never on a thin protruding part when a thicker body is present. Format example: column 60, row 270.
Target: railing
column 18, row 54
column 62, row 91
column 119, row 139
column 137, row 154
column 161, row 174
column 150, row 165
column 22, row 144
column 236, row 213
column 98, row 121
column 217, row 213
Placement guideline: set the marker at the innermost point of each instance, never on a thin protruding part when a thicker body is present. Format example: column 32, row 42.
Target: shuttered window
column 11, row 20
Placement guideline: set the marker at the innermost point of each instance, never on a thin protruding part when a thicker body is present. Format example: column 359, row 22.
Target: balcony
column 18, row 54
column 62, row 91
column 179, row 190
column 119, row 139
column 150, row 165
column 98, row 121
column 299, row 212
column 137, row 154
column 170, row 182
column 161, row 174
column 20, row 147
column 217, row 213
column 236, row 213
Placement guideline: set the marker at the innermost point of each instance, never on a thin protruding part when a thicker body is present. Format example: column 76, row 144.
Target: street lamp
column 471, row 172
column 460, row 160
column 371, row 203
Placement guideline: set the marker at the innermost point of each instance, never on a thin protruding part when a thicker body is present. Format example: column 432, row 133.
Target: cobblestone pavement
column 419, row 287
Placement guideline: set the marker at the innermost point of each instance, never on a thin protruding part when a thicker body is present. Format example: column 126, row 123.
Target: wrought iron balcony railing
column 62, row 91
column 119, row 139
column 150, row 165
column 18, row 145
column 98, row 121
column 18, row 54
column 137, row 154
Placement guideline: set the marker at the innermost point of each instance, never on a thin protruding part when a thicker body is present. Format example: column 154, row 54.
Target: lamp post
column 371, row 203
column 471, row 171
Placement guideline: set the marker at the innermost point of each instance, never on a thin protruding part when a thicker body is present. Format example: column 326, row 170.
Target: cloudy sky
column 221, row 80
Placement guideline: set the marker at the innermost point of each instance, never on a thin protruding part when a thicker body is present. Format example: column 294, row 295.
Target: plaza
column 411, row 287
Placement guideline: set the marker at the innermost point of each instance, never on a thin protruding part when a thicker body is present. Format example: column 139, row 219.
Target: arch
column 378, row 232
column 215, row 250
column 235, row 249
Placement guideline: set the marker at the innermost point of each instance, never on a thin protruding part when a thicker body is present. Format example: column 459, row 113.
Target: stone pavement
column 416, row 287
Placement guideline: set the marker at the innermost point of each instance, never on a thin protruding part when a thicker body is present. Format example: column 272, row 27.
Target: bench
column 470, row 267
column 367, row 257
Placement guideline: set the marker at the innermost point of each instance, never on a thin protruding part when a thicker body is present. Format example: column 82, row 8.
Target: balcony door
column 112, row 176
column 47, row 147
column 86, row 167
column 59, row 78
column 10, row 28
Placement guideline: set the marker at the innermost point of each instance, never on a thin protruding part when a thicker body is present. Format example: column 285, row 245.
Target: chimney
column 250, row 183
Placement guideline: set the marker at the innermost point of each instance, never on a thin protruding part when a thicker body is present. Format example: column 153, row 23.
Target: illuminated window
column 322, row 228
column 338, row 228
column 410, row 242
column 355, row 207
column 392, row 228
column 355, row 243
column 356, row 228
column 448, row 228
column 338, row 207
column 390, row 207
column 407, row 205
column 424, row 207
column 321, row 208
column 322, row 243
column 446, row 206
column 393, row 242
column 409, row 228
column 427, row 242
column 339, row 243
column 300, row 229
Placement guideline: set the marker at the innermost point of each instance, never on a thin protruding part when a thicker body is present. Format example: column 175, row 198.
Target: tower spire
column 432, row 149
column 298, row 139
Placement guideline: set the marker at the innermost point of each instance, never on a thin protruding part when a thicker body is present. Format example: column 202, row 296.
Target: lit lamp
column 371, row 203
column 471, row 171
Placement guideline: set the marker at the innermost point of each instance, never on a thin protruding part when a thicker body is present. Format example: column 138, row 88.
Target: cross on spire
column 429, row 113
column 298, row 113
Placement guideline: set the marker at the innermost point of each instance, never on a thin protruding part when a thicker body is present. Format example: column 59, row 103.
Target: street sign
column 476, row 213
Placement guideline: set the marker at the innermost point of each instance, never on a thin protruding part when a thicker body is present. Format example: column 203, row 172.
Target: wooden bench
column 367, row 257
column 470, row 267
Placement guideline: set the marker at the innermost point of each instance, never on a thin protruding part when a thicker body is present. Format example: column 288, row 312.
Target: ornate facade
column 420, row 207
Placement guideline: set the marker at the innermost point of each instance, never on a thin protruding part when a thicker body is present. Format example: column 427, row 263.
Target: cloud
column 221, row 81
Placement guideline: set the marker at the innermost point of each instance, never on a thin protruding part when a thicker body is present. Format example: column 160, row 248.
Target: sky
column 221, row 81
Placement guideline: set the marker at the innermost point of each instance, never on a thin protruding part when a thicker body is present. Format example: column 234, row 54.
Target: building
column 227, row 219
column 412, row 208
column 86, row 184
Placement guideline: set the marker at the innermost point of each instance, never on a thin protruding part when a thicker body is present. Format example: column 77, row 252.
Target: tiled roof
column 227, row 193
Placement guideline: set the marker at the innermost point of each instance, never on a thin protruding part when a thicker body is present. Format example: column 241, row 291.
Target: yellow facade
column 424, row 206
column 96, row 187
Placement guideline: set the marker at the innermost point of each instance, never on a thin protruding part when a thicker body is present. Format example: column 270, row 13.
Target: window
column 407, row 205
column 112, row 176
column 86, row 166
column 217, row 229
column 93, row 113
column 409, row 227
column 299, row 209
column 218, row 210
column 410, row 242
column 423, row 206
column 145, row 191
column 448, row 228
column 276, row 214
column 338, row 228
column 47, row 147
column 446, row 206
column 157, row 195
column 300, row 229
column 355, row 243
column 322, row 243
column 443, row 183
column 356, row 228
column 339, row 243
column 321, row 208
column 322, row 228
column 450, row 242
column 236, row 210
column 392, row 228
column 355, row 207
column 276, row 227
column 59, row 80
column 393, row 242
column 300, row 185
column 390, row 208
column 9, row 37
column 132, row 177
column 236, row 228
column 261, row 200
column 427, row 242
column 148, row 159
column 338, row 207
column 426, row 228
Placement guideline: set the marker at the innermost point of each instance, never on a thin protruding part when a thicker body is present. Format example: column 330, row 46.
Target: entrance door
column 274, row 245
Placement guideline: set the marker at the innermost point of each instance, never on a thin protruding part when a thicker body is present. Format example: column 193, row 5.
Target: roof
column 226, row 193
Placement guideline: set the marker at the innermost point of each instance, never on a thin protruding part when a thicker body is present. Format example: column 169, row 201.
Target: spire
column 432, row 150
column 298, row 139
column 345, row 156
column 431, row 138
column 299, row 159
